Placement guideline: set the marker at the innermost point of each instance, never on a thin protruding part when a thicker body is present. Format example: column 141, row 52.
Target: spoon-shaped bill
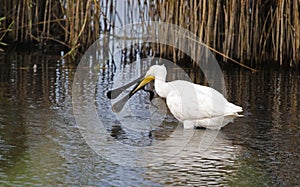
column 142, row 84
column 118, row 106
column 112, row 94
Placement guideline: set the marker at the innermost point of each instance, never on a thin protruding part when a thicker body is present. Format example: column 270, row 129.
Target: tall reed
column 72, row 23
column 246, row 30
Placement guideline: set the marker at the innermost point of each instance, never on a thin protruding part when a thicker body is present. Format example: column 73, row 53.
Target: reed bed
column 250, row 31
column 247, row 30
column 74, row 24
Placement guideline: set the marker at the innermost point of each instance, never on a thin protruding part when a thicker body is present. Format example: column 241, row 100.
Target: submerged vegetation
column 246, row 30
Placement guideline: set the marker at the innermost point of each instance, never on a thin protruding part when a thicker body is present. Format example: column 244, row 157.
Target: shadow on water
column 40, row 143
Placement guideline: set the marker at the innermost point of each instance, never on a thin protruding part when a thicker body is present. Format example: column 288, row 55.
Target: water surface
column 40, row 143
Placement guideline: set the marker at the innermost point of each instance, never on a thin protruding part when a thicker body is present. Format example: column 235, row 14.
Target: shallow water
column 41, row 144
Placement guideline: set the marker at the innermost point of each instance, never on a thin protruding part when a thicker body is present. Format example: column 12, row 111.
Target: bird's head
column 154, row 72
column 158, row 72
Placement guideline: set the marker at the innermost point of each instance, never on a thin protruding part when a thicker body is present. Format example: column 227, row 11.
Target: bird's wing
column 188, row 101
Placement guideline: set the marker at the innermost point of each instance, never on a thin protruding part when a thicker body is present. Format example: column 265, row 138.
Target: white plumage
column 192, row 104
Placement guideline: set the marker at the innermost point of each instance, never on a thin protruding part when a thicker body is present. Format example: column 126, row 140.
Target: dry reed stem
column 246, row 30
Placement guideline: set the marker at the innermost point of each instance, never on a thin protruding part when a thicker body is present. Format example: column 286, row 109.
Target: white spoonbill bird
column 192, row 104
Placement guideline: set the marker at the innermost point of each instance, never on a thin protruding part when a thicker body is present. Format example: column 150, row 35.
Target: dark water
column 41, row 145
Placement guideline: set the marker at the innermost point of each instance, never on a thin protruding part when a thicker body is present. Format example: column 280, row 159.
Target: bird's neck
column 162, row 88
